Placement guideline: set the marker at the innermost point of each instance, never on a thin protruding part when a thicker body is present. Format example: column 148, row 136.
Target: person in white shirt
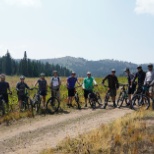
column 55, row 85
column 149, row 81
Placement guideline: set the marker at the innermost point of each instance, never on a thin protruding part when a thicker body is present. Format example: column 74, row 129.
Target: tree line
column 28, row 67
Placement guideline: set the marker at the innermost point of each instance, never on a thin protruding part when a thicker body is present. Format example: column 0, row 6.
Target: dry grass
column 132, row 134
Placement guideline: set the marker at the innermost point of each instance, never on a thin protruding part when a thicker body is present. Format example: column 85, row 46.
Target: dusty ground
column 30, row 136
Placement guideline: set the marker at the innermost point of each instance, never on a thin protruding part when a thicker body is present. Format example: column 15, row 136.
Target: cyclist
column 20, row 87
column 149, row 81
column 71, row 81
column 113, row 85
column 141, row 77
column 131, row 85
column 55, row 85
column 4, row 87
column 88, row 84
column 42, row 85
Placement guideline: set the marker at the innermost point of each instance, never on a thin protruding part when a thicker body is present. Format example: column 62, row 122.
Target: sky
column 91, row 29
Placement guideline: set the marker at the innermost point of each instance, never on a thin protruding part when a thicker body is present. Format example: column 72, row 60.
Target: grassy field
column 31, row 82
column 132, row 134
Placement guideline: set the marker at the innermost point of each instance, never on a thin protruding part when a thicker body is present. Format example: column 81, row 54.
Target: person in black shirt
column 113, row 85
column 21, row 87
column 141, row 77
column 42, row 85
column 131, row 85
column 4, row 87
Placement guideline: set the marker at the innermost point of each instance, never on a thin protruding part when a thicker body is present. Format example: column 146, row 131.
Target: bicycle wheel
column 98, row 98
column 77, row 100
column 53, row 104
column 26, row 105
column 36, row 104
column 140, row 102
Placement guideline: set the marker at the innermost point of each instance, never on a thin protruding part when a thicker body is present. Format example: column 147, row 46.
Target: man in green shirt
column 88, row 85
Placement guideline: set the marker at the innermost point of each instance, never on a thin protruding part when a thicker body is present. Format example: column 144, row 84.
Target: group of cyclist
column 88, row 83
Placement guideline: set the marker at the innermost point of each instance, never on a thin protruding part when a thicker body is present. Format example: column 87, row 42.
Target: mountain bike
column 52, row 104
column 77, row 99
column 123, row 97
column 107, row 97
column 141, row 100
column 36, row 102
column 94, row 99
column 27, row 102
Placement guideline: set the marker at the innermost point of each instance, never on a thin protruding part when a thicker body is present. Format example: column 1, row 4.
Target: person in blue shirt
column 71, row 81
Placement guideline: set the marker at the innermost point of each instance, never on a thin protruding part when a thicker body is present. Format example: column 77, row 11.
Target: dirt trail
column 30, row 136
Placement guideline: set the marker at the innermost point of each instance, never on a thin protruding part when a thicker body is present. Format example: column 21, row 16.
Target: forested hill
column 29, row 68
column 98, row 68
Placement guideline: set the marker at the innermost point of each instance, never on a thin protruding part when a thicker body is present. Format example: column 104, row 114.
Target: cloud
column 25, row 3
column 144, row 6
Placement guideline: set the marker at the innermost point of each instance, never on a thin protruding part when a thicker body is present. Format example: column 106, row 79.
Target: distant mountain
column 97, row 68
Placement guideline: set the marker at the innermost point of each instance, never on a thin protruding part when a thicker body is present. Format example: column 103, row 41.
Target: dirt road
column 30, row 136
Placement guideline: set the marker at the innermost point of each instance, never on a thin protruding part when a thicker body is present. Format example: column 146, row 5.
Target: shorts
column 86, row 93
column 71, row 92
column 5, row 97
column 113, row 92
column 21, row 97
column 55, row 93
column 131, row 91
column 43, row 93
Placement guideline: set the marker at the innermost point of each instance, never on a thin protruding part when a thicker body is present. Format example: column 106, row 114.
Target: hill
column 98, row 68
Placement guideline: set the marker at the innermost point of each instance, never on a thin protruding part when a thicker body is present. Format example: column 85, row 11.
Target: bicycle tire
column 36, row 104
column 52, row 105
column 99, row 99
column 77, row 100
column 140, row 101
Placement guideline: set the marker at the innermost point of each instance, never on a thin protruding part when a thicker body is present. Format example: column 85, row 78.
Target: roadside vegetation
column 131, row 134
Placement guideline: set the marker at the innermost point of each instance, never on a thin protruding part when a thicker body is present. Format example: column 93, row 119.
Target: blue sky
column 92, row 29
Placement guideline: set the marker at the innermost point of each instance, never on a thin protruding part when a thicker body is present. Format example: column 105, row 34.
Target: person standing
column 55, row 85
column 149, row 81
column 21, row 87
column 113, row 85
column 4, row 88
column 140, row 75
column 42, row 85
column 71, row 82
column 131, row 85
column 88, row 84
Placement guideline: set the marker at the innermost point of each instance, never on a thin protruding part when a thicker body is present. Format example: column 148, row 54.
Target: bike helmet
column 127, row 69
column 42, row 74
column 2, row 76
column 22, row 77
column 73, row 72
column 113, row 70
column 54, row 71
column 139, row 67
column 150, row 65
column 88, row 73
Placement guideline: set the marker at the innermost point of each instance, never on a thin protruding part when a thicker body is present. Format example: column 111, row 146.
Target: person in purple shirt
column 71, row 81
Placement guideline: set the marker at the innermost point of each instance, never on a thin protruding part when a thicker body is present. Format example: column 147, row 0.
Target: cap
column 22, row 77
column 127, row 69
column 88, row 72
